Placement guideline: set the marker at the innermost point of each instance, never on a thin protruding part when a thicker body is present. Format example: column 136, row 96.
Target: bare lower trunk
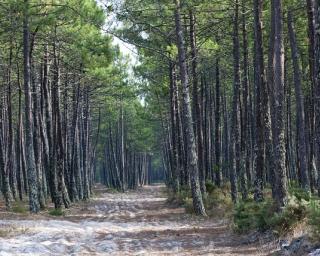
column 302, row 153
column 30, row 160
column 193, row 161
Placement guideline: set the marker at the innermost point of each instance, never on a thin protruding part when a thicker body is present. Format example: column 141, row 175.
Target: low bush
column 218, row 200
column 19, row 207
column 295, row 212
column 299, row 193
column 57, row 212
column 314, row 218
column 179, row 198
column 210, row 187
column 113, row 190
column 251, row 215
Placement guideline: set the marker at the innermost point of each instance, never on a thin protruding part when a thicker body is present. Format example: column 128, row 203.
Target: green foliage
column 295, row 212
column 251, row 215
column 172, row 50
column 57, row 212
column 218, row 200
column 182, row 198
column 210, row 187
column 19, row 207
column 299, row 193
column 113, row 191
column 314, row 218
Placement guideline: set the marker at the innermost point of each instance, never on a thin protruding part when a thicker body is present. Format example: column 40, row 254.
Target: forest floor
column 135, row 223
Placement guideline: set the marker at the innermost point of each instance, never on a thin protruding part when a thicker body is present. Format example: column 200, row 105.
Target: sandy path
column 135, row 223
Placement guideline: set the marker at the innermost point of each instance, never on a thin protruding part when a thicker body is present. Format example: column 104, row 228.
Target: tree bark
column 193, row 161
column 196, row 104
column 259, row 81
column 300, row 118
column 235, row 118
column 317, row 93
column 217, row 168
column 278, row 123
column 30, row 160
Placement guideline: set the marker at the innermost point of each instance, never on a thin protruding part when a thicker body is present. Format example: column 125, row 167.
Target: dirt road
column 135, row 223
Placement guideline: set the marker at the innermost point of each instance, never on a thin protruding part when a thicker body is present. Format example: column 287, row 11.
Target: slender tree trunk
column 312, row 72
column 193, row 161
column 235, row 118
column 317, row 93
column 196, row 104
column 31, row 167
column 217, row 168
column 278, row 123
column 174, row 128
column 245, row 138
column 270, row 90
column 259, row 81
column 302, row 152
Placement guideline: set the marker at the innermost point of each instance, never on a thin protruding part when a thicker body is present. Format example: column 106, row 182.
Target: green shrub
column 299, row 193
column 218, row 200
column 210, row 187
column 179, row 198
column 57, row 212
column 19, row 207
column 250, row 215
column 188, row 205
column 295, row 212
column 314, row 218
column 112, row 190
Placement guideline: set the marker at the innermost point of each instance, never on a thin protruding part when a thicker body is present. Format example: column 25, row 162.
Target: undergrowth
column 262, row 216
column 57, row 212
column 249, row 215
column 217, row 201
column 314, row 218
column 113, row 190
column 19, row 207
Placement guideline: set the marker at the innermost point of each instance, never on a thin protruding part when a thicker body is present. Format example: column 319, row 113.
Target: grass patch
column 19, row 207
column 113, row 191
column 57, row 212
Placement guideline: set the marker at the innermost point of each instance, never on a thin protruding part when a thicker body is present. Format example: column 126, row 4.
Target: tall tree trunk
column 235, row 118
column 31, row 167
column 193, row 161
column 245, row 138
column 217, row 168
column 278, row 123
column 312, row 72
column 174, row 128
column 270, row 90
column 317, row 93
column 259, row 81
column 300, row 119
column 196, row 104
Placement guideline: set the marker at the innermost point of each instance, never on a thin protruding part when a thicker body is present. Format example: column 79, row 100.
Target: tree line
column 59, row 73
column 236, row 85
